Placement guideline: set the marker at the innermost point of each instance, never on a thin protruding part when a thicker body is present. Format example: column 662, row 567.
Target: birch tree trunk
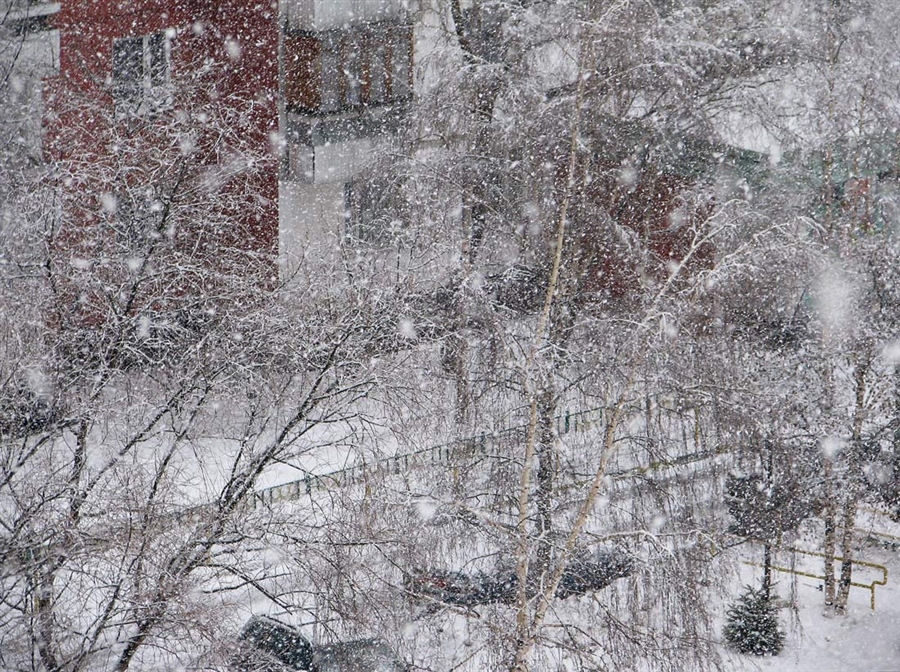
column 854, row 480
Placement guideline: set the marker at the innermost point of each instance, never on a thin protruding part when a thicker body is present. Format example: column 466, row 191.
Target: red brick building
column 213, row 134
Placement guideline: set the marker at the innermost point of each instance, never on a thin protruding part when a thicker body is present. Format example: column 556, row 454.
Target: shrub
column 752, row 625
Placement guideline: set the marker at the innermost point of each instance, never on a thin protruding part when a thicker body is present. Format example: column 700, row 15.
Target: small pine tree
column 752, row 625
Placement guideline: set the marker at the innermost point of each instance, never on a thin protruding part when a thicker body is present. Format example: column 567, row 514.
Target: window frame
column 142, row 74
column 376, row 211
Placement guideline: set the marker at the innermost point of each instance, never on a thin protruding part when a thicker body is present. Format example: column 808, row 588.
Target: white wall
column 311, row 194
column 310, row 223
column 28, row 59
column 326, row 14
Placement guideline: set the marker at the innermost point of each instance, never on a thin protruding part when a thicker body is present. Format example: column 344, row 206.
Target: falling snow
column 449, row 335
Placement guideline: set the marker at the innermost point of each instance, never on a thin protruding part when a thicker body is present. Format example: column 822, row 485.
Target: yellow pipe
column 877, row 534
column 868, row 586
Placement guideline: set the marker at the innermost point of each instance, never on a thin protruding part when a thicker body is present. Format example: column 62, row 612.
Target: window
column 353, row 73
column 401, row 68
column 375, row 211
column 332, row 95
column 378, row 79
column 141, row 74
column 140, row 215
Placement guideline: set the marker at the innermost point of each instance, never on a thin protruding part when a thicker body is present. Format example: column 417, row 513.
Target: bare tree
column 153, row 373
column 595, row 207
column 841, row 200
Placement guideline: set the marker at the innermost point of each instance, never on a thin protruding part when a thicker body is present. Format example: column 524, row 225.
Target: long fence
column 449, row 454
column 452, row 454
column 442, row 454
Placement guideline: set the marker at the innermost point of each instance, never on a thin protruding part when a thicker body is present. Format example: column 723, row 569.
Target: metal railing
column 446, row 454
column 867, row 586
column 441, row 454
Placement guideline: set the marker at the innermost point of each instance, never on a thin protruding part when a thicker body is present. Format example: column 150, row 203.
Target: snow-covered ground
column 862, row 640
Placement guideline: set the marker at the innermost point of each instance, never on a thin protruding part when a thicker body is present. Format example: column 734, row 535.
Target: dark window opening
column 376, row 212
column 141, row 74
column 139, row 221
column 29, row 25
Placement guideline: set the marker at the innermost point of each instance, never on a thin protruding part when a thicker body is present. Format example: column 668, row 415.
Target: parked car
column 593, row 572
column 583, row 574
column 462, row 589
column 268, row 645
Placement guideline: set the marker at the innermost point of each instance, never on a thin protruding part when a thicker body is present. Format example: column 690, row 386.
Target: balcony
column 30, row 45
column 331, row 14
column 358, row 67
column 344, row 90
column 334, row 149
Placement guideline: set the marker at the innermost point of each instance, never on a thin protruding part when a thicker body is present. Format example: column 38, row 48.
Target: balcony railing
column 19, row 10
column 27, row 40
column 361, row 66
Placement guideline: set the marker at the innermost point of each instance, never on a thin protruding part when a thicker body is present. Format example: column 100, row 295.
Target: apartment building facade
column 275, row 105
column 278, row 104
